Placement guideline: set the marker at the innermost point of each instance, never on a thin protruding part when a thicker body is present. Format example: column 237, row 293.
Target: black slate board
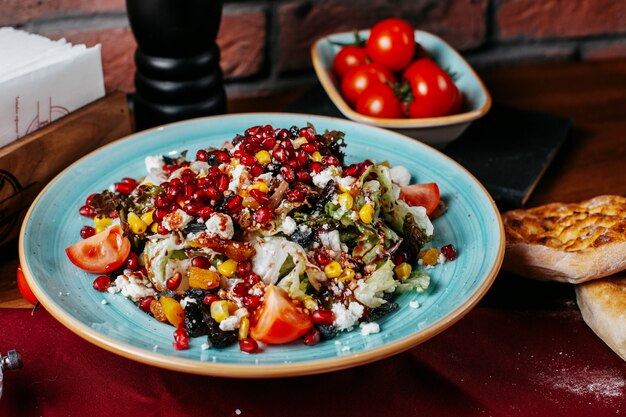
column 508, row 150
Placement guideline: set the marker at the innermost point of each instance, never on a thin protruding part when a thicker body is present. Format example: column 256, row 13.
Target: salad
column 270, row 239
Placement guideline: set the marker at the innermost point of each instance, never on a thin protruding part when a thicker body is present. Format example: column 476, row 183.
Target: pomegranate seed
column 190, row 188
column 172, row 193
column 449, row 252
column 132, row 262
column 222, row 183
column 233, row 204
column 251, row 278
column 251, row 131
column 130, row 181
column 87, row 211
column 190, row 209
column 316, row 167
column 364, row 165
column 252, row 147
column 89, row 198
column 308, row 133
column 302, row 157
column 200, row 262
column 283, row 134
column 213, row 172
column 210, row 298
column 263, row 215
column 296, row 195
column 288, row 173
column 162, row 230
column 205, row 212
column 241, row 289
column 398, row 258
column 259, row 196
column 110, row 268
column 198, row 195
column 144, row 303
column 181, row 339
column 175, row 182
column 269, row 143
column 303, row 176
column 212, row 193
column 161, row 201
column 252, row 301
column 312, row 337
column 257, row 170
column 203, row 182
column 321, row 257
column 247, row 159
column 174, row 282
column 309, row 147
column 102, row 283
column 87, row 231
column 159, row 214
column 202, row 155
column 123, row 188
column 323, row 317
column 248, row 345
column 222, row 156
column 280, row 155
column 330, row 160
column 243, row 267
column 351, row 171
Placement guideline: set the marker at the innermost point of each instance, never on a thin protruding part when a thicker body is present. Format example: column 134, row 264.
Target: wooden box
column 29, row 163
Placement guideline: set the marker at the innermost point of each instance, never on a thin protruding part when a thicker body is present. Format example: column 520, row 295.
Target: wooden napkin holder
column 29, row 163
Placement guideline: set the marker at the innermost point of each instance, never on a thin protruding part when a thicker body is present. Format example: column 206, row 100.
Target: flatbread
column 603, row 306
column 573, row 243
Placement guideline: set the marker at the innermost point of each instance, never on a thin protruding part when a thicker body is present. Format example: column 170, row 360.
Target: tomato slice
column 102, row 252
column 22, row 285
column 278, row 320
column 423, row 195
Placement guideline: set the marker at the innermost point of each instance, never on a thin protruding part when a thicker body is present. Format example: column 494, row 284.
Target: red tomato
column 358, row 79
column 22, row 285
column 434, row 92
column 391, row 43
column 102, row 252
column 423, row 195
column 347, row 58
column 278, row 320
column 379, row 100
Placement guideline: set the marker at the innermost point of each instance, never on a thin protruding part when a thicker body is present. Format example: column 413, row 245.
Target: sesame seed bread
column 567, row 242
column 603, row 305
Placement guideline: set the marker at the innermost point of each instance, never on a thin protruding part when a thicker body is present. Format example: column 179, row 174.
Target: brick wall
column 265, row 44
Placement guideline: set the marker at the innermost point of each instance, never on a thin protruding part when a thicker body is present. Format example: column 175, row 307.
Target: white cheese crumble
column 346, row 182
column 331, row 240
column 321, row 179
column 288, row 226
column 187, row 300
column 400, row 175
column 205, row 346
column 414, row 304
column 176, row 220
column 229, row 324
column 132, row 287
column 369, row 328
column 236, row 178
column 104, row 302
column 154, row 168
column 221, row 225
column 346, row 318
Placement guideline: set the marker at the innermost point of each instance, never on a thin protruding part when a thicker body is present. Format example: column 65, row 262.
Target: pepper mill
column 178, row 74
column 10, row 362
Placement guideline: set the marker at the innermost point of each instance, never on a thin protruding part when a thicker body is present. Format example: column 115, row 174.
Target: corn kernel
column 333, row 269
column 317, row 157
column 244, row 326
column 104, row 222
column 147, row 217
column 366, row 214
column 347, row 274
column 137, row 225
column 203, row 278
column 346, row 200
column 429, row 257
column 259, row 185
column 299, row 142
column 403, row 271
column 263, row 157
column 227, row 268
column 172, row 310
column 154, row 228
column 219, row 310
column 148, row 184
column 100, row 229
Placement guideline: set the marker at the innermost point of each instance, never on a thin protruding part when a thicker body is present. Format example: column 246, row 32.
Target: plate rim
column 265, row 370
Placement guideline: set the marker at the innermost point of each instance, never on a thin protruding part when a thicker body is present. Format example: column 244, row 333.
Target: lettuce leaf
column 418, row 281
column 371, row 290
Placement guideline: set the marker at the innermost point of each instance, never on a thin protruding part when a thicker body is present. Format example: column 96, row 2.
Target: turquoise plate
column 112, row 322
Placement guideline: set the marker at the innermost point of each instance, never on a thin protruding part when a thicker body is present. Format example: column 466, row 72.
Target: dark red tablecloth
column 494, row 362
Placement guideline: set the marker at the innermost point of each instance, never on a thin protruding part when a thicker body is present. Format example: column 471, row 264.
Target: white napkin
column 42, row 80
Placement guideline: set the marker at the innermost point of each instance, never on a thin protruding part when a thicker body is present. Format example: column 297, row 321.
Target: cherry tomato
column 102, row 252
column 22, row 285
column 423, row 195
column 379, row 100
column 278, row 320
column 391, row 43
column 358, row 79
column 434, row 92
column 347, row 58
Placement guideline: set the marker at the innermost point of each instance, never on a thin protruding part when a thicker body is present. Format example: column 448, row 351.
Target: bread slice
column 567, row 242
column 603, row 305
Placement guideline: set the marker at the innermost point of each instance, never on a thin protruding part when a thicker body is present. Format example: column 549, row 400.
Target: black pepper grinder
column 178, row 74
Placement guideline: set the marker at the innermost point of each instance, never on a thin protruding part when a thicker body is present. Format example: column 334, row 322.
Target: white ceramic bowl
column 436, row 131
